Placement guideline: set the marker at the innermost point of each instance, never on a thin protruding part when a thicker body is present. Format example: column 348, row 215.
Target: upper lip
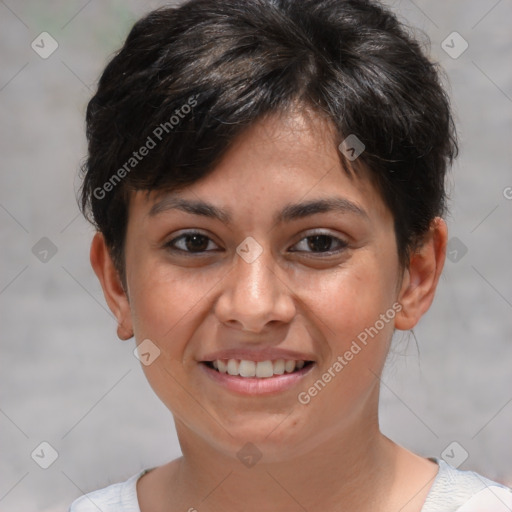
column 266, row 354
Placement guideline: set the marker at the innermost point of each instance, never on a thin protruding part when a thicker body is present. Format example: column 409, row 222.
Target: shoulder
column 114, row 498
column 454, row 490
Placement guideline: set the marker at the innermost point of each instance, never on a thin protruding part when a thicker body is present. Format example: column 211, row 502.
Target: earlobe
column 422, row 276
column 110, row 281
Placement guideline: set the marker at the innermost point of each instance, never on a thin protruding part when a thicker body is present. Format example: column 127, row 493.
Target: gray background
column 67, row 380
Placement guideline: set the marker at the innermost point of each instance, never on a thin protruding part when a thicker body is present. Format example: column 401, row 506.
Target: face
column 292, row 260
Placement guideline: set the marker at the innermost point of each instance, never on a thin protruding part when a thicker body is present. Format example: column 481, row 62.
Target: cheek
column 164, row 300
column 352, row 299
column 354, row 310
column 168, row 304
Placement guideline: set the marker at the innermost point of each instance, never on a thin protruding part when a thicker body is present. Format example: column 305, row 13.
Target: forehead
column 279, row 160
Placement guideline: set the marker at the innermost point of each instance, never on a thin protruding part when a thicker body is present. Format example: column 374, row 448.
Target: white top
column 452, row 491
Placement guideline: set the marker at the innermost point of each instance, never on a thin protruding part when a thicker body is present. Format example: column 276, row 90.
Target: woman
column 267, row 182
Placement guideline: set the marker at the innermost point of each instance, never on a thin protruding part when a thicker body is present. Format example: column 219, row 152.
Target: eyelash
column 171, row 244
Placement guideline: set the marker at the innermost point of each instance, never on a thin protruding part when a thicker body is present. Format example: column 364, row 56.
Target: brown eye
column 321, row 243
column 192, row 242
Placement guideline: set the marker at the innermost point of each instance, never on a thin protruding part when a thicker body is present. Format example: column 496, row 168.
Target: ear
column 420, row 279
column 113, row 291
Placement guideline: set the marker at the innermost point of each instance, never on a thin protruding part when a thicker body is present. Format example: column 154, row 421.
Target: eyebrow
column 290, row 212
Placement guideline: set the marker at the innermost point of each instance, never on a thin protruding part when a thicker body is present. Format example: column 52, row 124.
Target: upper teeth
column 246, row 368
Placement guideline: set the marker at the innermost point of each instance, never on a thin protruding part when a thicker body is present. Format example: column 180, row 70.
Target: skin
column 326, row 455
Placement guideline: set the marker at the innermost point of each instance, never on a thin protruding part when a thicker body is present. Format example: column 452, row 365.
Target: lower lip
column 257, row 386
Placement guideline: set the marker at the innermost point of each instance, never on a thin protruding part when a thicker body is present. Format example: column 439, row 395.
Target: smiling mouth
column 257, row 369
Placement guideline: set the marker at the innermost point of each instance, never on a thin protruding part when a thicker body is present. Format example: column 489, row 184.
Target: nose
column 253, row 296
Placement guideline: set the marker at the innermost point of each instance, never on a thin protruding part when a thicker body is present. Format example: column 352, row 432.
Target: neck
column 349, row 469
